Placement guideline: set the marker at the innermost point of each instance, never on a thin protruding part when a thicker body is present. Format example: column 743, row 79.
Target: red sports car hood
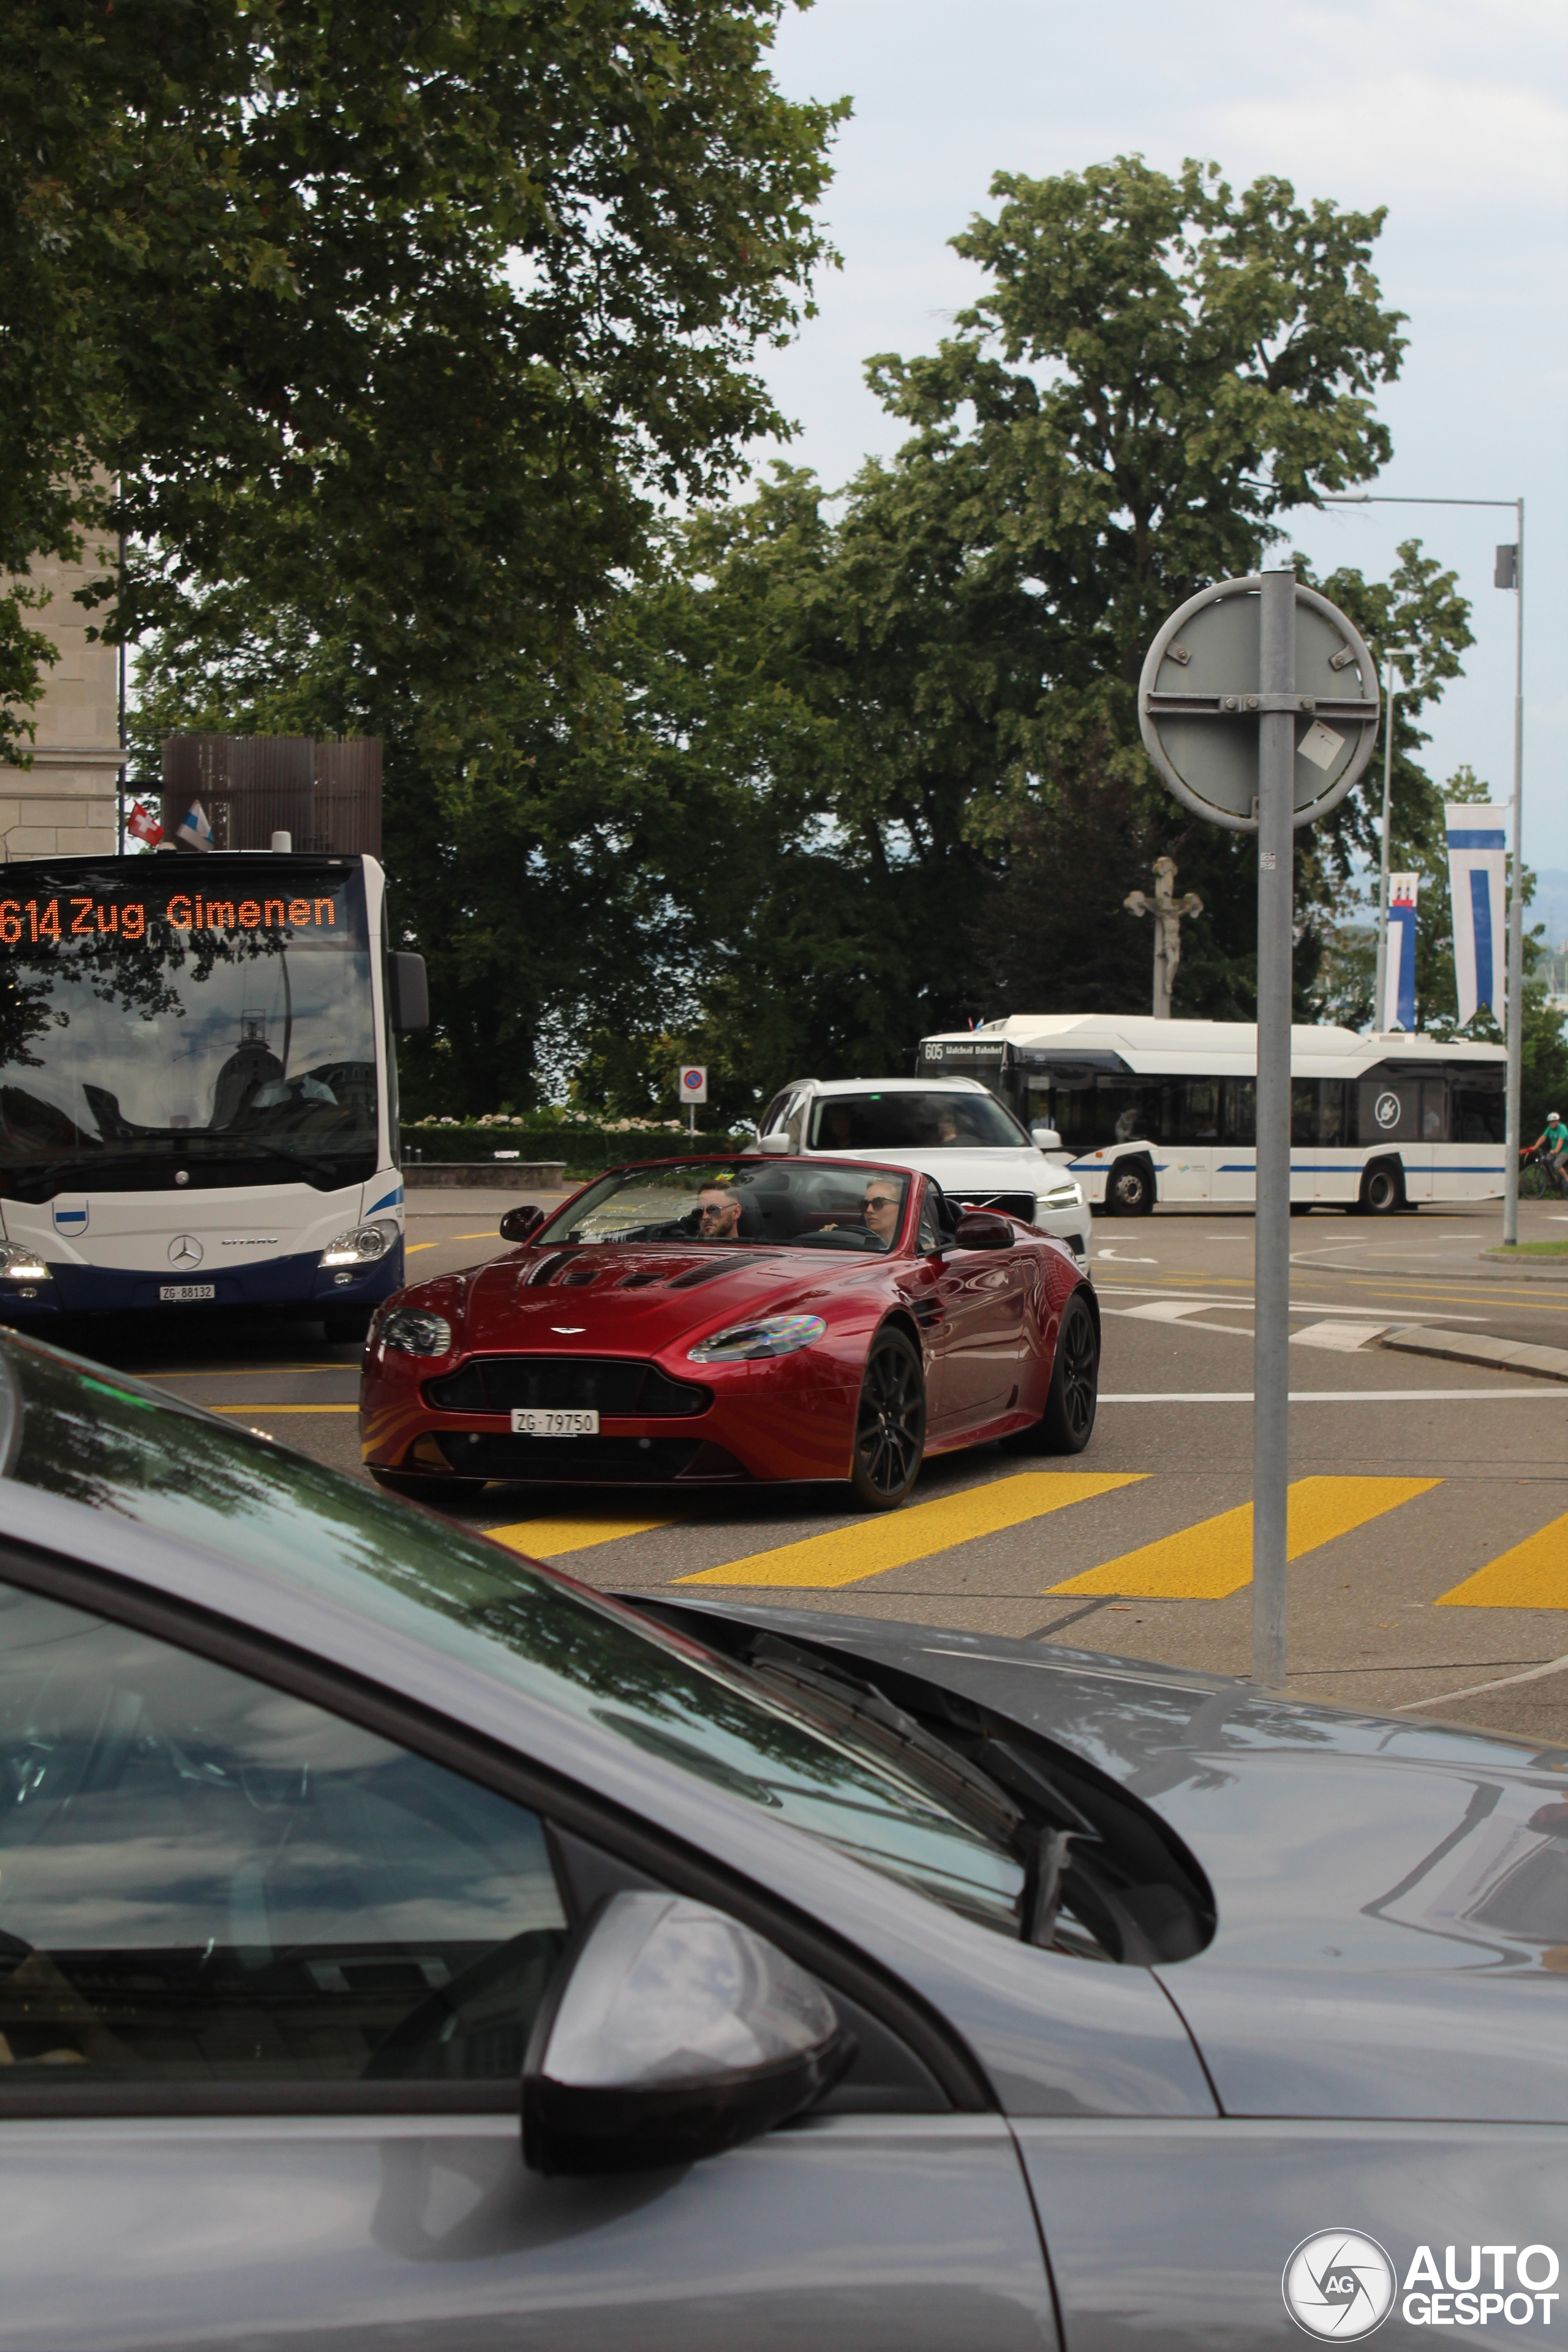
column 639, row 1300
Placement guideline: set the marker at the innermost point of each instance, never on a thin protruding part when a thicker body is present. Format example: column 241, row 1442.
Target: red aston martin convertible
column 723, row 1321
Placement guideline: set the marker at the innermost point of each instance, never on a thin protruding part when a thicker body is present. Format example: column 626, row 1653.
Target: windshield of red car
column 780, row 1202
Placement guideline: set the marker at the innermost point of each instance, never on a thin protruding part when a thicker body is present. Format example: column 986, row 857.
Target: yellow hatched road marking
column 1213, row 1560
column 871, row 1547
column 1532, row 1575
column 266, row 1410
column 546, row 1539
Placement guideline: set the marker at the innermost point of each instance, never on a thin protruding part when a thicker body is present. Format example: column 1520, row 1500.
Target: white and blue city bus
column 198, row 1092
column 1152, row 1110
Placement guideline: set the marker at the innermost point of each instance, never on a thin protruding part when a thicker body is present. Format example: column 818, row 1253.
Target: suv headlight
column 1062, row 1196
column 361, row 1245
column 770, row 1334
column 414, row 1331
column 19, row 1265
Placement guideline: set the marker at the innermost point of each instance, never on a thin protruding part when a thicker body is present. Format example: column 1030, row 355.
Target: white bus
column 1152, row 1110
column 198, row 1097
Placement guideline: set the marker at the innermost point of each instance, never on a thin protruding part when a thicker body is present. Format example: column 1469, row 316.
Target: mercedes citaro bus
column 198, row 1097
column 1152, row 1110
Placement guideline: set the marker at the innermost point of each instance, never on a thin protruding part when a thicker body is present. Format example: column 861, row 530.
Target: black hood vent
column 696, row 1275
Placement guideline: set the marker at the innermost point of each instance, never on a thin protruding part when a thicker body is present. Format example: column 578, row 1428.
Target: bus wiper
column 241, row 1146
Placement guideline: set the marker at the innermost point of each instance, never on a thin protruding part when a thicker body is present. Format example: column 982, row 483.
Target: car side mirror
column 982, row 1229
column 520, row 1222
column 671, row 2033
column 1047, row 1137
column 778, row 1143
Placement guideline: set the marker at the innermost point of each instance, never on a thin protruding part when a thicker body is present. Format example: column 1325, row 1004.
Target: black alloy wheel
column 1381, row 1193
column 1068, row 1423
column 1130, row 1192
column 890, row 1425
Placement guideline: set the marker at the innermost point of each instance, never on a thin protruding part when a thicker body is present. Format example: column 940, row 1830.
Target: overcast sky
column 1456, row 119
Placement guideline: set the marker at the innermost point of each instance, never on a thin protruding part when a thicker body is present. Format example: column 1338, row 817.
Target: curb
column 1498, row 1270
column 1495, row 1355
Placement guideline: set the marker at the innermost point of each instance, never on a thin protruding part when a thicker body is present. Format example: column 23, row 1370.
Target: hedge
column 585, row 1149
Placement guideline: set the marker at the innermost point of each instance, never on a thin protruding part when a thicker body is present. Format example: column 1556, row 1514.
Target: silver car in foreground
column 404, row 1947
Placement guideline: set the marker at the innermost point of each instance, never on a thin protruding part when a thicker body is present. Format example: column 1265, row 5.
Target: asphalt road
column 1429, row 1509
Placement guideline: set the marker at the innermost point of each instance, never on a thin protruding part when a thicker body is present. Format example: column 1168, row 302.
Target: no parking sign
column 693, row 1090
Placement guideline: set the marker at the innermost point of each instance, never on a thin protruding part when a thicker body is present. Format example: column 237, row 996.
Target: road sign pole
column 1258, row 705
column 1271, row 1379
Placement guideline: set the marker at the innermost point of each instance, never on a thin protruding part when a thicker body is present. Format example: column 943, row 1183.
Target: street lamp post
column 1510, row 573
column 1392, row 685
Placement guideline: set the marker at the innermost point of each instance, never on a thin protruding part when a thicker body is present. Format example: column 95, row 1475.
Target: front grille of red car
column 609, row 1384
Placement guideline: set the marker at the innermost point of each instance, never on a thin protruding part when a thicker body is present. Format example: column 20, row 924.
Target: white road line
column 1298, row 1307
column 1474, row 1690
column 1327, row 1396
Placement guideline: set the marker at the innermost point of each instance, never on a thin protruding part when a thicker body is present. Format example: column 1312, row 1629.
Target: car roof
column 896, row 1086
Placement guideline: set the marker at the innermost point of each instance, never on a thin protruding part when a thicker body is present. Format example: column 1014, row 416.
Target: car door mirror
column 1047, row 1137
column 779, row 1141
column 519, row 1223
column 982, row 1229
column 671, row 2032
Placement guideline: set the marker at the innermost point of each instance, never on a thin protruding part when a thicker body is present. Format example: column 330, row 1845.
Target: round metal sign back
column 1200, row 701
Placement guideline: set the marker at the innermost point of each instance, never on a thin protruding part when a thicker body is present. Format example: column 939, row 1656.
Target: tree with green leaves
column 1159, row 370
column 389, row 321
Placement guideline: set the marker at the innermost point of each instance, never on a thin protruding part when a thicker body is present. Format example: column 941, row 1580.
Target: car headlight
column 414, row 1331
column 1063, row 1196
column 19, row 1265
column 361, row 1245
column 769, row 1334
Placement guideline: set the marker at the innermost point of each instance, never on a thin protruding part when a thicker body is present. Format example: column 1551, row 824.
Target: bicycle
column 1541, row 1179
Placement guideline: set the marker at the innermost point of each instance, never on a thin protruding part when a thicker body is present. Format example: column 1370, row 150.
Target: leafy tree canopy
column 389, row 318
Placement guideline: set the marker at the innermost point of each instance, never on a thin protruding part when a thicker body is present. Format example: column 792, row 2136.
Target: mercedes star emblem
column 184, row 1250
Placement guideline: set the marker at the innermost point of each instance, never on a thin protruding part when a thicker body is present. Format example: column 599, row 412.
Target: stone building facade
column 64, row 804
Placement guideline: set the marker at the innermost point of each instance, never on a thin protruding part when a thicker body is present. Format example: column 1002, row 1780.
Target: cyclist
column 1551, row 1146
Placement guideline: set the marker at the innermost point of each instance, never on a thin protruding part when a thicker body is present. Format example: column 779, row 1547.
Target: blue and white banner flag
column 1398, row 1007
column 194, row 830
column 1478, row 841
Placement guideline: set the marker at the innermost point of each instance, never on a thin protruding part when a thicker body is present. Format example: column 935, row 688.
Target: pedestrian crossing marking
column 850, row 1555
column 547, row 1539
column 1532, row 1575
column 1213, row 1559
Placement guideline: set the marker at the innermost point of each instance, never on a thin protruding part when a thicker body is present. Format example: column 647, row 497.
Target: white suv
column 952, row 1129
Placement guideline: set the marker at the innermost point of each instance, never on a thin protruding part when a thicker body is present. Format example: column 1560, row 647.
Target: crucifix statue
column 1167, row 910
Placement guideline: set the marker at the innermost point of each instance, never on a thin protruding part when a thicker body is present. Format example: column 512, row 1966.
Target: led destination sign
column 39, row 921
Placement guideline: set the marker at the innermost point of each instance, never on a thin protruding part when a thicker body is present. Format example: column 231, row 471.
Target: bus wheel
column 1130, row 1189
column 1382, row 1193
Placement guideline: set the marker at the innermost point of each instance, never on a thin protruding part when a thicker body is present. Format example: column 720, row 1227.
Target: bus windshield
column 199, row 1015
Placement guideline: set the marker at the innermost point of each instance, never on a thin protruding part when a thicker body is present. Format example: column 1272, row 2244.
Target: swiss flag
column 144, row 827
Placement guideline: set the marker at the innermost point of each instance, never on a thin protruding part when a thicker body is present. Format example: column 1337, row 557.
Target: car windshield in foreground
column 725, row 1200
column 913, row 1120
column 116, row 1446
